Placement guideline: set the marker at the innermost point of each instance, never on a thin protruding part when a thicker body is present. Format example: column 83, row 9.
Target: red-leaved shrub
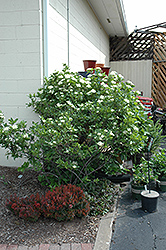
column 65, row 202
column 28, row 208
column 62, row 203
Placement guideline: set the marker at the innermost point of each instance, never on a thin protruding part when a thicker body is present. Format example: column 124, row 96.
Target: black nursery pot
column 149, row 200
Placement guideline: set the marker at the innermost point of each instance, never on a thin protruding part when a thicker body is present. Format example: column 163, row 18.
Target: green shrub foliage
column 86, row 125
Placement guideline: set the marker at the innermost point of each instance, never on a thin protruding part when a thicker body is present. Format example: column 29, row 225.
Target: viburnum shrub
column 28, row 208
column 62, row 203
column 65, row 202
column 86, row 125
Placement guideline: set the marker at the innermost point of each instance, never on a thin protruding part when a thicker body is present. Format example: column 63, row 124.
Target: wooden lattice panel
column 137, row 46
column 159, row 70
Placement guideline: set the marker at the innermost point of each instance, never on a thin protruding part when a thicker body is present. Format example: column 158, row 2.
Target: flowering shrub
column 28, row 208
column 65, row 202
column 86, row 125
column 62, row 203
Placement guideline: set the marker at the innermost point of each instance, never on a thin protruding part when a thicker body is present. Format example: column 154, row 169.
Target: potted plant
column 149, row 197
column 140, row 179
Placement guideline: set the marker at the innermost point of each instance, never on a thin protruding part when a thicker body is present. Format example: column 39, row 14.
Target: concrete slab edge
column 104, row 234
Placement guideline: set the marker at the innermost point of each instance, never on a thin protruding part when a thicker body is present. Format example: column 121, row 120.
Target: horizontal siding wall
column 87, row 39
column 20, row 59
column 138, row 72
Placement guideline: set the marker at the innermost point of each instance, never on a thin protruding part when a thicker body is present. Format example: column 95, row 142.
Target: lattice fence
column 137, row 46
column 159, row 70
column 144, row 46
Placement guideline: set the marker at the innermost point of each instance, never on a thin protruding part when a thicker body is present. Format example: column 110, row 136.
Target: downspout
column 68, row 35
column 45, row 37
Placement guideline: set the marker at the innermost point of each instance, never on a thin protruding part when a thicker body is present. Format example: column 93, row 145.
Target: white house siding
column 20, row 58
column 139, row 72
column 21, row 49
column 87, row 39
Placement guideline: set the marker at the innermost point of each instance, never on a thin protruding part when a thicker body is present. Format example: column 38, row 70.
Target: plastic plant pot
column 100, row 65
column 136, row 191
column 89, row 64
column 106, row 70
column 149, row 200
column 83, row 73
column 162, row 183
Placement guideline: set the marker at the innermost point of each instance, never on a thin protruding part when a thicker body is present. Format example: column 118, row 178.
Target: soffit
column 111, row 15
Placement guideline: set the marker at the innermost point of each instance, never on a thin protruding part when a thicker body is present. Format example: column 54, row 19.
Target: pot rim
column 153, row 194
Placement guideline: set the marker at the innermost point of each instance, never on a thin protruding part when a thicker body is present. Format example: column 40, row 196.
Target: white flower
column 51, row 91
column 88, row 86
column 102, row 97
column 25, row 136
column 135, row 128
column 138, row 92
column 101, row 137
column 128, row 86
column 6, row 129
column 14, row 126
column 131, row 84
column 50, row 87
column 60, row 82
column 113, row 73
column 111, row 133
column 78, row 85
column 91, row 91
column 100, row 143
column 67, row 76
column 104, row 84
column 58, row 104
column 122, row 77
column 126, row 100
column 68, row 102
column 82, row 81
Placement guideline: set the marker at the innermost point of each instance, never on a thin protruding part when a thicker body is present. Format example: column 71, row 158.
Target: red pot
column 101, row 65
column 89, row 64
column 106, row 70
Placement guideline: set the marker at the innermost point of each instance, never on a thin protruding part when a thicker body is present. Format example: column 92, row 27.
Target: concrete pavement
column 139, row 230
